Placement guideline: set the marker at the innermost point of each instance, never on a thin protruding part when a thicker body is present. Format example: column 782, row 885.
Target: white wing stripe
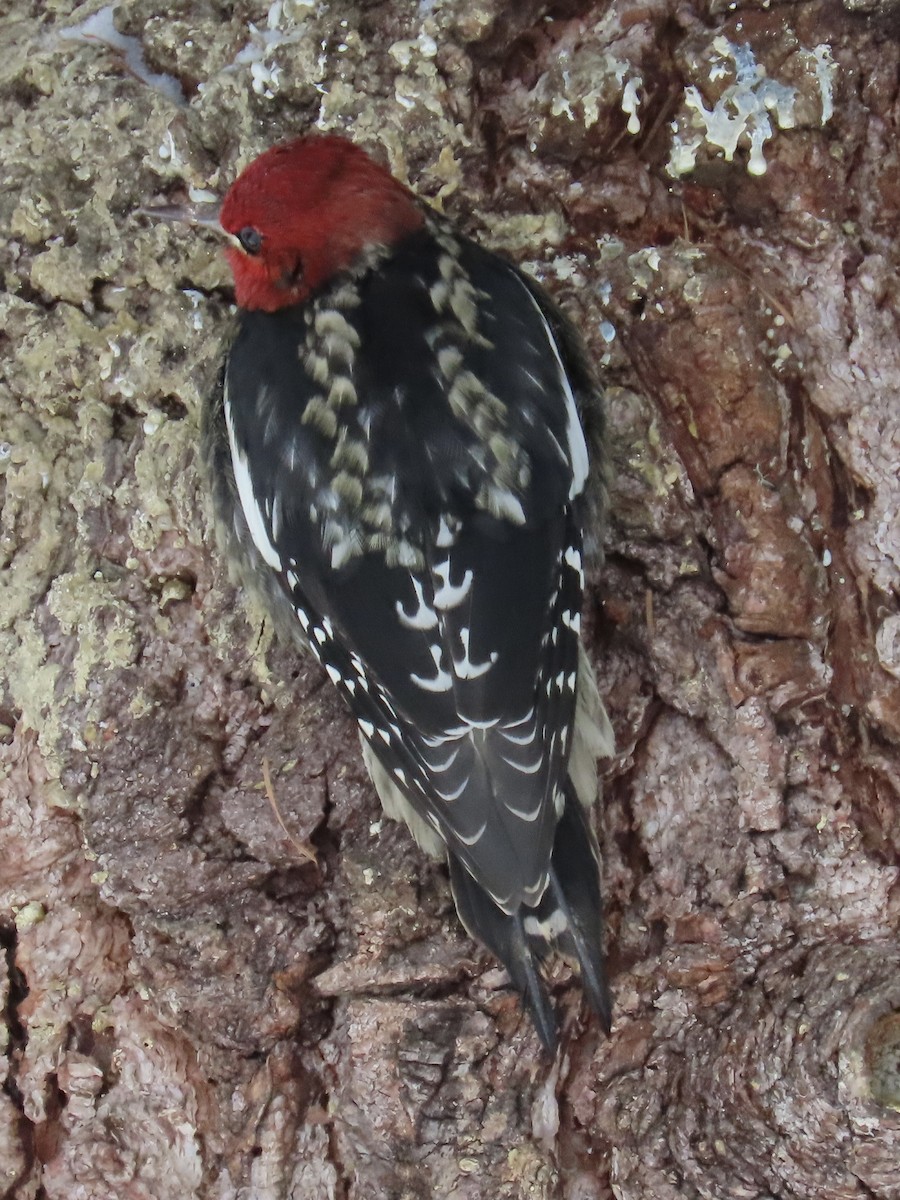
column 578, row 452
column 253, row 515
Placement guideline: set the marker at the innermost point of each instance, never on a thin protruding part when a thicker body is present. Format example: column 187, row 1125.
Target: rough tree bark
column 196, row 1008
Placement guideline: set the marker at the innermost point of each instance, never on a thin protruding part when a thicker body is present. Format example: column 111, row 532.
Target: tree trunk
column 227, row 975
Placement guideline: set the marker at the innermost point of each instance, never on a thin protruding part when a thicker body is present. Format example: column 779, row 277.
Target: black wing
column 409, row 462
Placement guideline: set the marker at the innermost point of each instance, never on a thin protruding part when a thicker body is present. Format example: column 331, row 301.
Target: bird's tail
column 568, row 919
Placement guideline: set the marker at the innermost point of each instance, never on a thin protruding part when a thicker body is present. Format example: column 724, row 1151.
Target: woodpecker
column 399, row 465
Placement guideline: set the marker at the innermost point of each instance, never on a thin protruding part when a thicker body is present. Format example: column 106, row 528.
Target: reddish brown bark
column 193, row 1007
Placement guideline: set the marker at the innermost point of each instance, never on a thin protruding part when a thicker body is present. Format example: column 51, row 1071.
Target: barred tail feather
column 568, row 920
column 505, row 937
column 572, row 909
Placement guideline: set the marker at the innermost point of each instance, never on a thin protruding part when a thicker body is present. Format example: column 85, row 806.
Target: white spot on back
column 448, row 595
column 441, row 682
column 424, row 617
column 507, row 505
column 463, row 667
column 445, row 535
column 343, row 547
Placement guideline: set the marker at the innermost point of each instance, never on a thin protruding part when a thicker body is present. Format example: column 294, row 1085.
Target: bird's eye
column 251, row 239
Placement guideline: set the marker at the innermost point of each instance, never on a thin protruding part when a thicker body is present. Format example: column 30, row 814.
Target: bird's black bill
column 204, row 216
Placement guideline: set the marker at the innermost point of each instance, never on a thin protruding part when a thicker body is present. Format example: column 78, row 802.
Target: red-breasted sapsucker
column 397, row 454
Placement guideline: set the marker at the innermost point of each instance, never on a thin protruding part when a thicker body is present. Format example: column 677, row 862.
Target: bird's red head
column 304, row 211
